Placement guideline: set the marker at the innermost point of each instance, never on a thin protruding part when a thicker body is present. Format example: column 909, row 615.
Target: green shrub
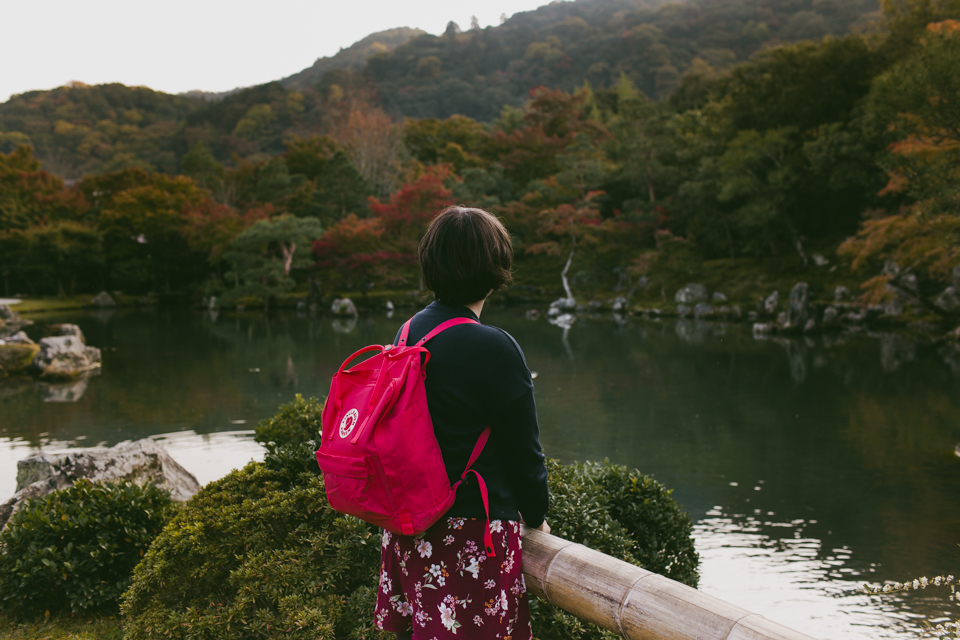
column 256, row 554
column 292, row 436
column 624, row 514
column 76, row 548
column 260, row 553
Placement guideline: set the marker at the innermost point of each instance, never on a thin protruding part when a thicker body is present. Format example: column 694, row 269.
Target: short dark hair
column 464, row 255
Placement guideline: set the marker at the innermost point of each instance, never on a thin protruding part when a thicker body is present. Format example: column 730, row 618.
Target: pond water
column 808, row 466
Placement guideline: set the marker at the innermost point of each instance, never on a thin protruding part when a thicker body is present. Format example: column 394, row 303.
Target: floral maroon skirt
column 441, row 584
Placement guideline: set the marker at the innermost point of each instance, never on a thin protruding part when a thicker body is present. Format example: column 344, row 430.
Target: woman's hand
column 543, row 527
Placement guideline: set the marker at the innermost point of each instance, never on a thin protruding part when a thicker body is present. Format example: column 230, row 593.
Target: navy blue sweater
column 477, row 376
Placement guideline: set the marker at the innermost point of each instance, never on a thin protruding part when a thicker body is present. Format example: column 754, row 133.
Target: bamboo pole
column 634, row 602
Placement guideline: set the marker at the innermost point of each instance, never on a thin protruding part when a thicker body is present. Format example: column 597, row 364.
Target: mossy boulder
column 16, row 358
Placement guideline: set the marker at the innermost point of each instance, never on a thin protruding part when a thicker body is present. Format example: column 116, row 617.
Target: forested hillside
column 564, row 44
column 79, row 129
column 808, row 159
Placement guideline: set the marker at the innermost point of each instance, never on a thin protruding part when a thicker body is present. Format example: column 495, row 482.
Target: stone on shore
column 948, row 300
column 702, row 310
column 691, row 294
column 102, row 300
column 65, row 358
column 772, row 302
column 557, row 307
column 798, row 308
column 140, row 462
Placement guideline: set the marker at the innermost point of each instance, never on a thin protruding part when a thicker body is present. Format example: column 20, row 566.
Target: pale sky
column 213, row 45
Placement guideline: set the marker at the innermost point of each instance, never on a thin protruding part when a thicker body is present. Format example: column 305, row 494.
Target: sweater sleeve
column 518, row 436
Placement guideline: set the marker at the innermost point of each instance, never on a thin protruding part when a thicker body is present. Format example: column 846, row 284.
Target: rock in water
column 719, row 296
column 691, row 294
column 139, row 462
column 564, row 321
column 102, row 299
column 65, row 358
column 67, row 330
column 16, row 357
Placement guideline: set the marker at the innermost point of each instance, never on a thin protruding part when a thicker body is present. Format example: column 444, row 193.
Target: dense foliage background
column 601, row 131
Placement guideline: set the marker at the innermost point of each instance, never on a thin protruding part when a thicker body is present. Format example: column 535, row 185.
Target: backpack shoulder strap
column 443, row 326
column 404, row 333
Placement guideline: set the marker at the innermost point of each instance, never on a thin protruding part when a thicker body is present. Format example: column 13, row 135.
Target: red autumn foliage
column 382, row 250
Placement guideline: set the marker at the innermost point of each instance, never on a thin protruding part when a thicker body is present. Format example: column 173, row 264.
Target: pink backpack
column 378, row 453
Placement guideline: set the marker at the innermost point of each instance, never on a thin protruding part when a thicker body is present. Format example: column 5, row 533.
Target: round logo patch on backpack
column 349, row 422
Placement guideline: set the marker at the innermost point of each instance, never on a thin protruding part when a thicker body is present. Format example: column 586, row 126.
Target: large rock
column 66, row 330
column 65, row 358
column 691, row 294
column 798, row 308
column 16, row 357
column 102, row 300
column 140, row 462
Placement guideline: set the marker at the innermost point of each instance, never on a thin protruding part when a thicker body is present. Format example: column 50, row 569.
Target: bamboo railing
column 637, row 604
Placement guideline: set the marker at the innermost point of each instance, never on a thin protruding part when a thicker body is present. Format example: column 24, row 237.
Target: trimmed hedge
column 259, row 553
column 76, row 548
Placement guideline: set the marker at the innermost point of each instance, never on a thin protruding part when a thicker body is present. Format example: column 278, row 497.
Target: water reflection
column 833, row 455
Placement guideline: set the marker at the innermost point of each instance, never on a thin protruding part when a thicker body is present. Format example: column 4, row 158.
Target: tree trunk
column 726, row 226
column 796, row 239
column 566, row 268
column 287, row 257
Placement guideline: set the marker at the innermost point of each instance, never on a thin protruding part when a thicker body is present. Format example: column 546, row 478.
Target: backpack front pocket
column 354, row 486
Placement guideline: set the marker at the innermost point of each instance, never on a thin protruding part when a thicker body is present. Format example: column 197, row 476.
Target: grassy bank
column 53, row 303
column 64, row 627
